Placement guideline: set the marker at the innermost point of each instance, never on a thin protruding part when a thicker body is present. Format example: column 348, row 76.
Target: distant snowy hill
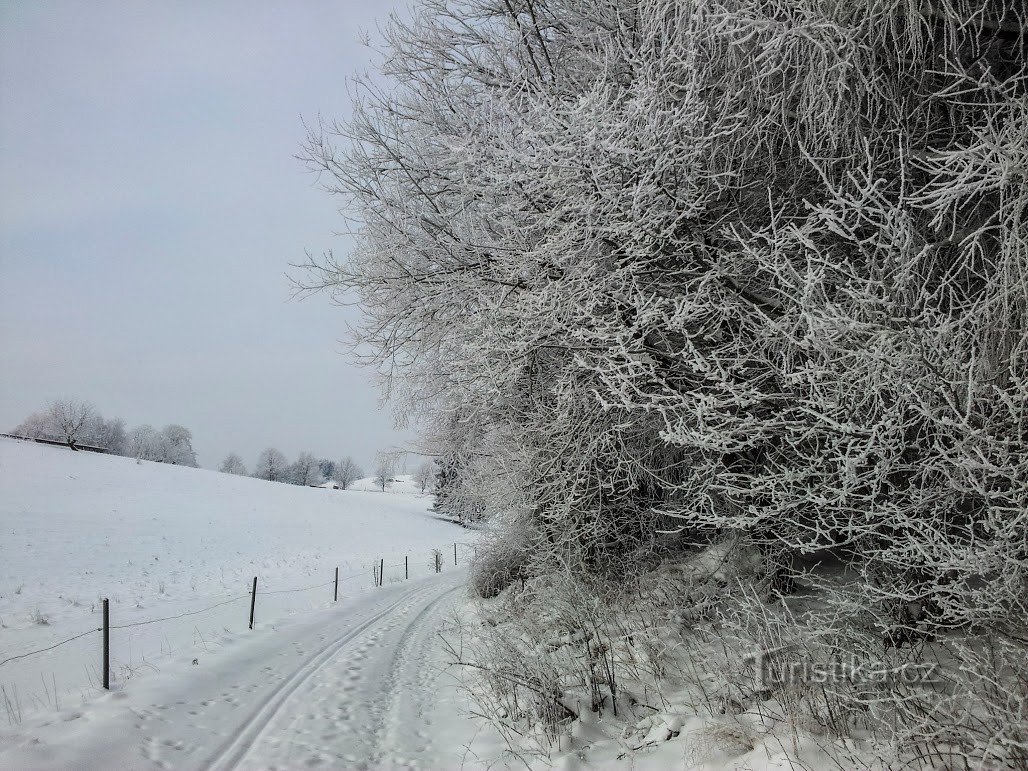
column 161, row 540
column 402, row 483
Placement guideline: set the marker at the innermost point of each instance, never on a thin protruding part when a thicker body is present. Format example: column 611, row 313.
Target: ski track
column 356, row 687
column 283, row 715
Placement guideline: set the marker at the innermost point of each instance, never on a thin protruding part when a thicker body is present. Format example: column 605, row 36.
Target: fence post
column 335, row 595
column 455, row 554
column 381, row 574
column 253, row 600
column 107, row 645
column 406, row 570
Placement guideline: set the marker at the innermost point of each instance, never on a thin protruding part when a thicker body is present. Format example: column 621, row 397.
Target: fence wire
column 182, row 615
column 229, row 601
column 50, row 648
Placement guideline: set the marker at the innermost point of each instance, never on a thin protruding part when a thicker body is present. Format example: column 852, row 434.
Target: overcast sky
column 151, row 205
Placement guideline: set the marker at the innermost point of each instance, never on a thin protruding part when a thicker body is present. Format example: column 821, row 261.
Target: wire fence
column 49, row 648
column 179, row 615
column 377, row 573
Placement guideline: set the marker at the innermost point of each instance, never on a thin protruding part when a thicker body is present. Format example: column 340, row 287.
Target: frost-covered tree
column 109, row 434
column 271, row 465
column 145, row 443
column 233, row 464
column 305, row 470
column 72, row 420
column 327, row 468
column 385, row 465
column 177, row 446
column 347, row 472
column 38, row 425
column 423, row 476
column 463, row 475
column 727, row 267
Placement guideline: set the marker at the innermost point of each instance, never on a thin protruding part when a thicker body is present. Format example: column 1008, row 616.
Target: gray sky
column 150, row 206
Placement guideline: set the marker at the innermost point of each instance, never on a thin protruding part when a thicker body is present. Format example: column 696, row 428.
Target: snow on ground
column 162, row 541
column 363, row 685
column 400, row 483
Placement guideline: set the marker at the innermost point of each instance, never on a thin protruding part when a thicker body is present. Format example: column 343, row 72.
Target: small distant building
column 328, row 485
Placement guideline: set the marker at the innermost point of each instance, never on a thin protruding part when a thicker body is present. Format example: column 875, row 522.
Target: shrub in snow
column 499, row 562
column 731, row 267
column 38, row 618
column 233, row 464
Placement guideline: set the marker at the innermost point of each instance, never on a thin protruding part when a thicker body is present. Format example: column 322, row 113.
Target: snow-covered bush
column 714, row 266
column 785, row 295
column 501, row 560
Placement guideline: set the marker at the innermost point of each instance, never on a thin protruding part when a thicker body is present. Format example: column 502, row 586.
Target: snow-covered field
column 165, row 541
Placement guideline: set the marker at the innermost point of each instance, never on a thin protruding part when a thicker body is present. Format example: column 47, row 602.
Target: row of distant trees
column 78, row 423
column 306, row 470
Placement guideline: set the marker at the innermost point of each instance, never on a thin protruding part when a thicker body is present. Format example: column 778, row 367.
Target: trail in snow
column 362, row 686
column 167, row 542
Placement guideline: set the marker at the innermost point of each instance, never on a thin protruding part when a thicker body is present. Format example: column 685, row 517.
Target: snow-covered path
column 360, row 686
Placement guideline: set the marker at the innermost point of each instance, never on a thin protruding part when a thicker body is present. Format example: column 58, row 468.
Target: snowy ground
column 362, row 685
column 165, row 541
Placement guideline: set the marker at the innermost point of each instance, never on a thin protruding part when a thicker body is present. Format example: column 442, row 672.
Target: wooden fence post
column 335, row 594
column 253, row 600
column 455, row 554
column 406, row 569
column 381, row 573
column 107, row 645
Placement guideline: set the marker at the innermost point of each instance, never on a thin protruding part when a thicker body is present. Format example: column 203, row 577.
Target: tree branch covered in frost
column 713, row 265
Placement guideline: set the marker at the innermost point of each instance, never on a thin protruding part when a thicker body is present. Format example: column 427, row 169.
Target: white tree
column 271, row 465
column 177, row 446
column 72, row 420
column 347, row 472
column 423, row 476
column 385, row 463
column 109, row 434
column 327, row 468
column 233, row 464
column 305, row 471
column 38, row 425
column 145, row 443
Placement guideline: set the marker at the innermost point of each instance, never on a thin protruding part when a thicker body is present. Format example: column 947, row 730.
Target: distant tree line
column 310, row 471
column 78, row 423
column 307, row 470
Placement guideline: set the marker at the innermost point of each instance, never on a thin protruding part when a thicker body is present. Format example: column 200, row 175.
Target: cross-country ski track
column 363, row 685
